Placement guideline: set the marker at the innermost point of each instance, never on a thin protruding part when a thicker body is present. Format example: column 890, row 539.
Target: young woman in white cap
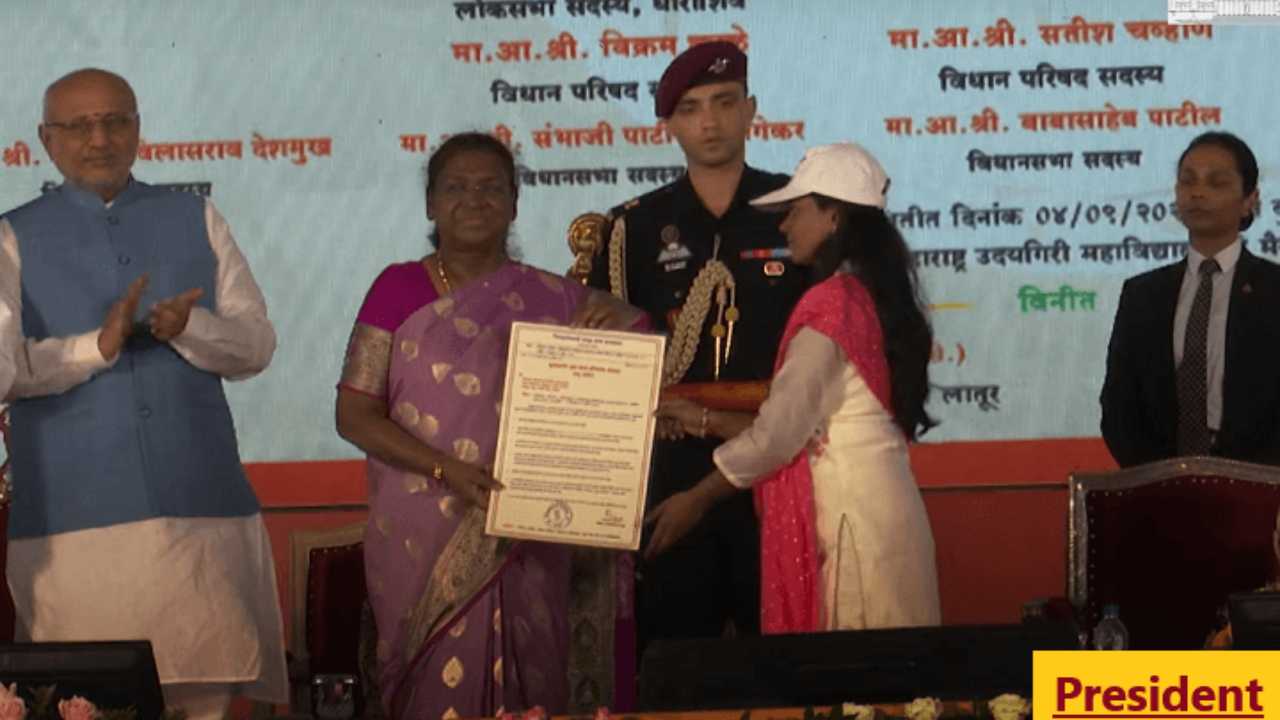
column 845, row 540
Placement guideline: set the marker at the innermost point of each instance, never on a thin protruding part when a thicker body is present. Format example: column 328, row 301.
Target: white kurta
column 202, row 590
column 876, row 551
column 10, row 339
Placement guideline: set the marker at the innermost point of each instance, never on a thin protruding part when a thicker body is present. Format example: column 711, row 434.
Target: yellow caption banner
column 1168, row 685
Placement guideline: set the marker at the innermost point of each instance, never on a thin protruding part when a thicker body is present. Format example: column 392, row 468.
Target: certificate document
column 575, row 435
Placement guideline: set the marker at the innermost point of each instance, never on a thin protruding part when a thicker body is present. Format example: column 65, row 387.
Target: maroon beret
column 702, row 64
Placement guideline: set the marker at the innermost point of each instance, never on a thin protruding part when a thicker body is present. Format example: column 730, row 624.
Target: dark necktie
column 1193, row 427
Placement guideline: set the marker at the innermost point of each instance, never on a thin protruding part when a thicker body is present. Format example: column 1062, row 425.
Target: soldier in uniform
column 714, row 274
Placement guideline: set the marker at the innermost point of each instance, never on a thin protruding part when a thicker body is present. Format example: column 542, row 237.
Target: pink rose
column 77, row 708
column 12, row 707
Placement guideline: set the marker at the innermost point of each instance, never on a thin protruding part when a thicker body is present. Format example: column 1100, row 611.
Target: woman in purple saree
column 467, row 624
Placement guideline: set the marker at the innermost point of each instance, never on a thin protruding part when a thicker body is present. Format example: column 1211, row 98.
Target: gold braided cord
column 617, row 255
column 684, row 338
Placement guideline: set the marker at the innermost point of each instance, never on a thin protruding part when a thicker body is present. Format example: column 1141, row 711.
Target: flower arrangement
column 859, row 712
column 42, row 706
column 534, row 713
column 1004, row 707
column 924, row 709
column 12, row 707
column 1009, row 707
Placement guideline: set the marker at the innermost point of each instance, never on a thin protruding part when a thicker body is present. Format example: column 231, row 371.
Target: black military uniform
column 713, row 575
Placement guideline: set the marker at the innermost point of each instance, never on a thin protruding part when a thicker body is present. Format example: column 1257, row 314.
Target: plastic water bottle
column 1110, row 633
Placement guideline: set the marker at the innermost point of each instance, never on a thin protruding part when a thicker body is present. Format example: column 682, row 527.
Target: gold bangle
column 702, row 429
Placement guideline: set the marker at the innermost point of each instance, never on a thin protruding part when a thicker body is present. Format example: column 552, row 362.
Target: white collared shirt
column 1216, row 351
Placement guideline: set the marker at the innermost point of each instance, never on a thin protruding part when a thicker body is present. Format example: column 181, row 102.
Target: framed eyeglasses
column 115, row 124
column 489, row 189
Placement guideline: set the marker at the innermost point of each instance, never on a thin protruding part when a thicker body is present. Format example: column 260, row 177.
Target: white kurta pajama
column 876, row 554
column 202, row 590
column 10, row 338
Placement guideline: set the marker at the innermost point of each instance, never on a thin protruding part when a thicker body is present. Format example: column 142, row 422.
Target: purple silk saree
column 470, row 625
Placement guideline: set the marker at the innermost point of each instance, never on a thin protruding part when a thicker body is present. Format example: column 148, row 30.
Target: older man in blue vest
column 131, row 515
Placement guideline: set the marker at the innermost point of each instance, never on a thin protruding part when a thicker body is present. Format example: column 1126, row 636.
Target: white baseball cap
column 844, row 171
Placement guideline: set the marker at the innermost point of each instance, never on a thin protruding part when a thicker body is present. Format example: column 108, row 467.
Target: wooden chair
column 326, row 577
column 1168, row 542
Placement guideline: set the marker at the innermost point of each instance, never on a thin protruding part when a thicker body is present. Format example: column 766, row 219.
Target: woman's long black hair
column 879, row 257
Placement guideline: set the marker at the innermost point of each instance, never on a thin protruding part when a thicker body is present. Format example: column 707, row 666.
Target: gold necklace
column 444, row 279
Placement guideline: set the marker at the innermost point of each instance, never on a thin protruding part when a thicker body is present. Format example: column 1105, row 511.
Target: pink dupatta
column 841, row 308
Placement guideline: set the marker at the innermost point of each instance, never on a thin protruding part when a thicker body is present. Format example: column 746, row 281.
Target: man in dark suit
column 1190, row 369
